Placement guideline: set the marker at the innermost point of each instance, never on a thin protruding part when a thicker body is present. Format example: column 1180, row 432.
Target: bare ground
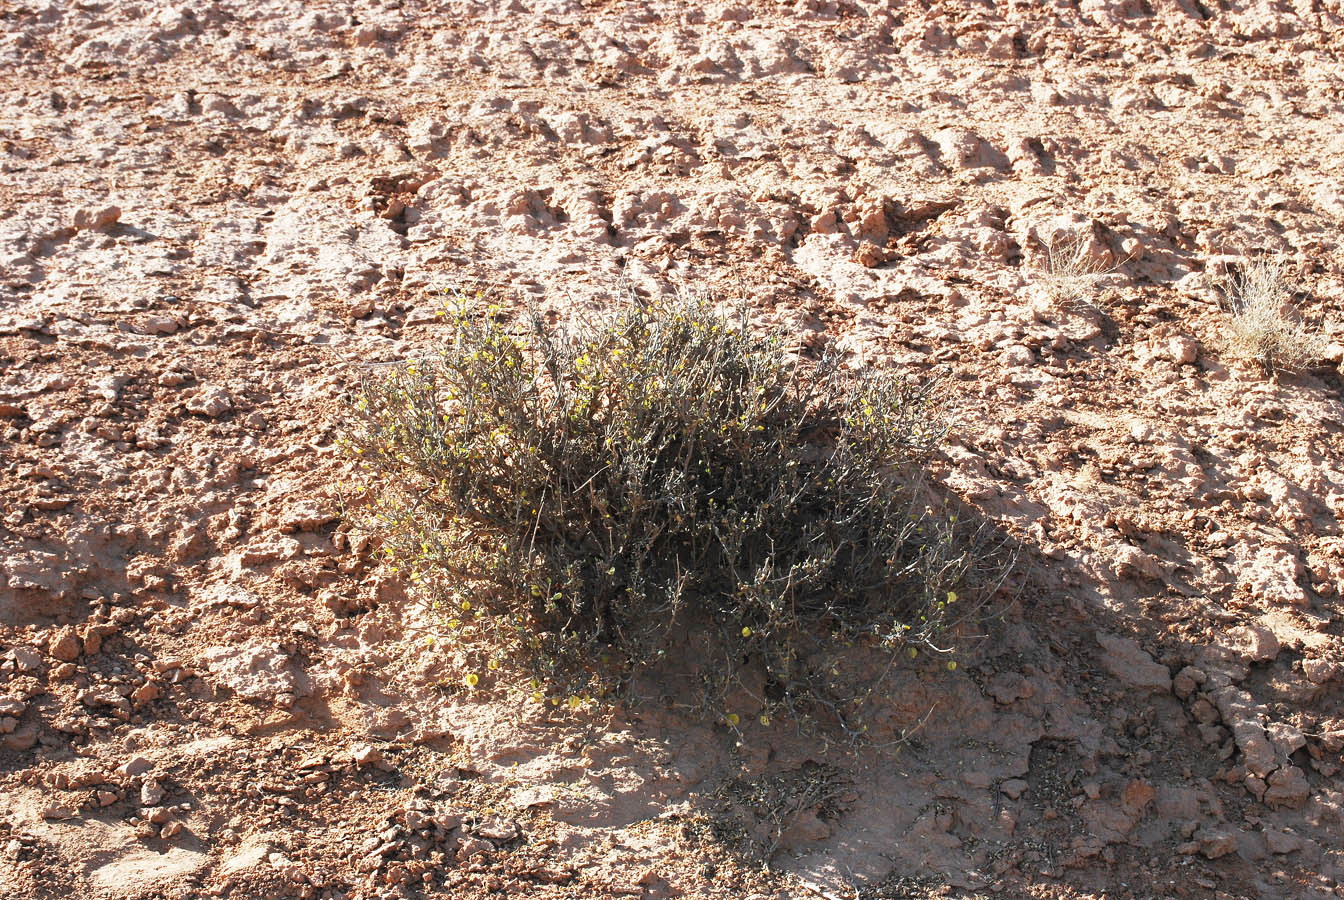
column 215, row 214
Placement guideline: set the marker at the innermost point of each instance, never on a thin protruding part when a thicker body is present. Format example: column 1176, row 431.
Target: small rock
column 1182, row 350
column 1287, row 788
column 64, row 644
column 21, row 738
column 1187, row 681
column 473, row 846
column 96, row 218
column 496, row 829
column 156, row 814
column 1280, row 842
column 1216, row 842
column 212, row 401
column 9, row 706
column 1255, row 643
column 1319, row 671
column 366, row 755
column 105, row 798
column 56, row 811
column 1013, row 788
column 151, row 792
column 1017, row 355
column 136, row 765
column 26, row 658
column 171, row 830
column 93, row 636
column 1127, row 661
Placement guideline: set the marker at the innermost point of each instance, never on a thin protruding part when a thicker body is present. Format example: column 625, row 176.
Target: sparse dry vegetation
column 562, row 495
column 1264, row 327
column 1071, row 274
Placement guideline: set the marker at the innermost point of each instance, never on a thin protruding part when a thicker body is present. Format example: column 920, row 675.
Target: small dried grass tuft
column 1264, row 327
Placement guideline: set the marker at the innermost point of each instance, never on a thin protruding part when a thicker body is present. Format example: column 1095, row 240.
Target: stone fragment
column 1187, row 681
column 1243, row 715
column 366, row 755
column 136, row 765
column 254, row 671
column 26, row 658
column 1255, row 643
column 213, row 401
column 305, row 515
column 497, row 829
column 1182, row 350
column 151, row 792
column 1319, row 671
column 1216, row 842
column 1127, row 661
column 64, row 644
column 1287, row 788
column 1282, row 841
column 97, row 218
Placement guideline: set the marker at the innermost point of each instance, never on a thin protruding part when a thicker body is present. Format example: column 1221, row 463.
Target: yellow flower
column 951, row 596
column 746, row 632
column 732, row 719
column 472, row 680
column 951, row 665
column 536, row 697
column 466, row 604
column 492, row 664
column 765, row 720
column 574, row 702
column 913, row 652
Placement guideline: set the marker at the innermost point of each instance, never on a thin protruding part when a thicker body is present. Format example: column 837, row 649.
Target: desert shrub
column 563, row 494
column 1263, row 327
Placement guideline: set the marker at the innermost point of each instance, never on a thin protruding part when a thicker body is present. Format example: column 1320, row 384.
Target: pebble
column 1215, row 842
column 1319, row 671
column 97, row 218
column 151, row 793
column 366, row 755
column 64, row 644
column 136, row 765
column 1127, row 661
column 213, row 401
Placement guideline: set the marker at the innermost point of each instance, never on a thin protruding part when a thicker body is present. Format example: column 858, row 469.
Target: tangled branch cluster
column 564, row 494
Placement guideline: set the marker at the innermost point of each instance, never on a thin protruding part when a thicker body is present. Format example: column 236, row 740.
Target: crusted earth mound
column 214, row 215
